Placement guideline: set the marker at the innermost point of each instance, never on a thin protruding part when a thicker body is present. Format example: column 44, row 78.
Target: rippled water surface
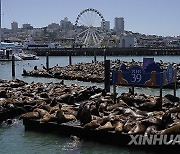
column 15, row 140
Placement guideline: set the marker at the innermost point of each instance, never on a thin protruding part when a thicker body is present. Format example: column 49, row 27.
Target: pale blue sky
column 160, row 17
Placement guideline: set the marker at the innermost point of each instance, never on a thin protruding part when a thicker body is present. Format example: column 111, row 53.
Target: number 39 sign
column 153, row 75
column 136, row 74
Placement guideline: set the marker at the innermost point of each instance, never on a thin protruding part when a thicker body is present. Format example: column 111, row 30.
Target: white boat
column 27, row 56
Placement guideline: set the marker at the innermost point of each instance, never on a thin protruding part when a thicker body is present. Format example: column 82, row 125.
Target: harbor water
column 14, row 139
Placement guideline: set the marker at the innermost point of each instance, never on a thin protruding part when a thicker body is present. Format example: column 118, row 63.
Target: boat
column 26, row 56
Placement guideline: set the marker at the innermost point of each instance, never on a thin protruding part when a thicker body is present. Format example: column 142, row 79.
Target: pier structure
column 136, row 51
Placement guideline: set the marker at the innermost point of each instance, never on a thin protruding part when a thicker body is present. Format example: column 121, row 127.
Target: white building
column 127, row 41
column 119, row 25
column 14, row 27
column 106, row 24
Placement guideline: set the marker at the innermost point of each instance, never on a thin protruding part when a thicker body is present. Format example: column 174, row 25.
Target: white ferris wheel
column 90, row 28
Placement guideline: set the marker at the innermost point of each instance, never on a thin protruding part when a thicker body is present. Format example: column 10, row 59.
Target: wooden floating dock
column 100, row 136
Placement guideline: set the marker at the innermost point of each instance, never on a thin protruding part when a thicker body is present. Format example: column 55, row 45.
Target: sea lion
column 139, row 128
column 92, row 125
column 151, row 130
column 30, row 115
column 81, row 106
column 172, row 130
column 66, row 98
column 151, row 105
column 9, row 121
column 107, row 127
column 152, row 121
column 63, row 118
column 118, row 127
column 96, row 96
column 95, row 108
column 54, row 102
column 41, row 112
column 128, row 126
column 172, row 98
column 121, row 103
column 48, row 118
column 85, row 116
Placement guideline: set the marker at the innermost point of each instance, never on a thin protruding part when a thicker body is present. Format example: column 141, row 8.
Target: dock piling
column 70, row 59
column 13, row 66
column 107, row 75
column 114, row 91
column 104, row 55
column 95, row 56
column 175, row 81
column 47, row 60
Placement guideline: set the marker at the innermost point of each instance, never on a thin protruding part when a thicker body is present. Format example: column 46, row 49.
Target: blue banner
column 153, row 75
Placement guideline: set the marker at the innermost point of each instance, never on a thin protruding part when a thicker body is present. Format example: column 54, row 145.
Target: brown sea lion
column 151, row 130
column 48, row 118
column 121, row 103
column 96, row 96
column 85, row 116
column 128, row 126
column 30, row 115
column 172, row 130
column 107, row 127
column 139, row 128
column 92, row 125
column 46, row 107
column 66, row 98
column 118, row 127
column 41, row 112
column 63, row 118
column 152, row 121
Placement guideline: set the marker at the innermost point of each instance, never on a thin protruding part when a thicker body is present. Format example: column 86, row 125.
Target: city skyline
column 152, row 17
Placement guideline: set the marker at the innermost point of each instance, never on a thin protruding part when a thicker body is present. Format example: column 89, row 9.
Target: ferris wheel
column 90, row 28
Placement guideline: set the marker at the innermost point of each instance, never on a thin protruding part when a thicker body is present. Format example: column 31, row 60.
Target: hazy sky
column 160, row 17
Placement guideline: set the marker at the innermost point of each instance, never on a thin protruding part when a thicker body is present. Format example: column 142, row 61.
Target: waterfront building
column 53, row 26
column 107, row 25
column 27, row 26
column 14, row 27
column 66, row 24
column 119, row 25
column 128, row 41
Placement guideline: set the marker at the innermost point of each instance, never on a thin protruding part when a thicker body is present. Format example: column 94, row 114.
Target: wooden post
column 114, row 91
column 107, row 75
column 95, row 56
column 161, row 86
column 104, row 55
column 175, row 80
column 7, row 54
column 133, row 89
column 70, row 59
column 161, row 94
column 13, row 66
column 47, row 60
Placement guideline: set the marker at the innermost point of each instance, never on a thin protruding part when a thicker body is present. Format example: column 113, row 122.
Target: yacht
column 27, row 56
